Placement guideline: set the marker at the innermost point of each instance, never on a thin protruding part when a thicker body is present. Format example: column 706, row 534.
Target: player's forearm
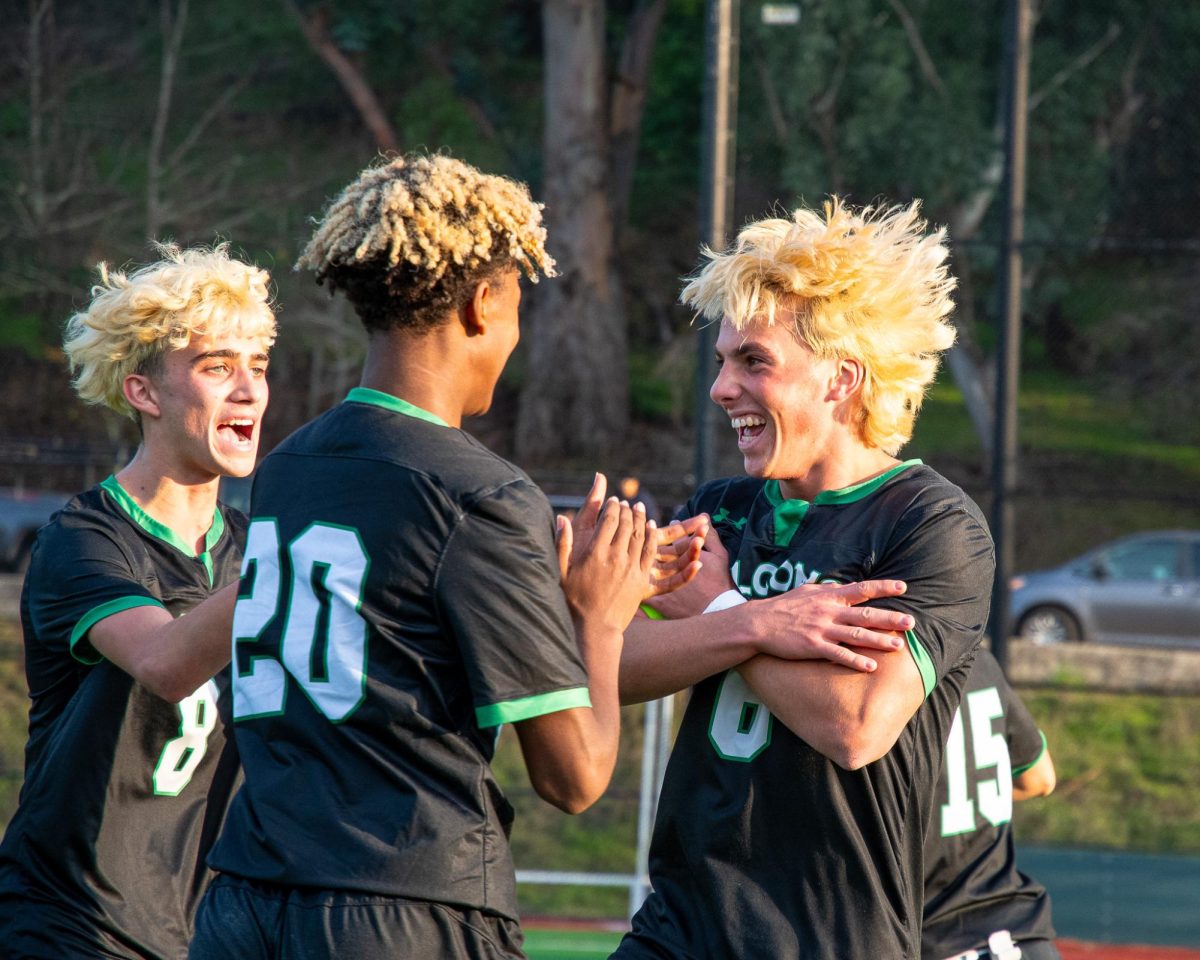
column 170, row 657
column 571, row 755
column 850, row 717
column 600, row 647
column 662, row 657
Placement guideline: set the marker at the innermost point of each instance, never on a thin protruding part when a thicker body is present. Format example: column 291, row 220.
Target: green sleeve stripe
column 1017, row 771
column 924, row 663
column 650, row 612
column 514, row 711
column 94, row 616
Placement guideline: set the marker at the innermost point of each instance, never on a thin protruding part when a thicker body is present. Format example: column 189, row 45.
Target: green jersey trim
column 83, row 651
column 1017, row 771
column 790, row 512
column 923, row 661
column 377, row 398
column 161, row 531
column 651, row 613
column 513, row 711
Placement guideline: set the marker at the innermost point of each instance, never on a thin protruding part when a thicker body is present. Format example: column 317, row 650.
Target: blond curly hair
column 410, row 238
column 868, row 284
column 135, row 318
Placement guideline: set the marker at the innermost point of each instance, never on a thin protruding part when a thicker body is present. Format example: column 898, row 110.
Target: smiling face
column 206, row 406
column 780, row 398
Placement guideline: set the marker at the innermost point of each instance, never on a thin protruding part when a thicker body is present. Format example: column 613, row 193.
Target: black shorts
column 247, row 920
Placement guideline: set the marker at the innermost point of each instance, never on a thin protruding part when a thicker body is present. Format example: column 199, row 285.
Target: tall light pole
column 1008, row 356
column 716, row 195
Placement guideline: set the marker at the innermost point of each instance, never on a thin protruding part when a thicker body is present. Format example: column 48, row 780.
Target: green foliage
column 14, row 710
column 20, row 330
column 653, row 393
column 1128, row 772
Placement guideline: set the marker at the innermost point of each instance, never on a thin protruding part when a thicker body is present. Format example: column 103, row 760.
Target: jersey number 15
column 993, row 795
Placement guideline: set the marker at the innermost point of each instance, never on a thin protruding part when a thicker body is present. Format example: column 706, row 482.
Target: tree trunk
column 576, row 399
column 629, row 101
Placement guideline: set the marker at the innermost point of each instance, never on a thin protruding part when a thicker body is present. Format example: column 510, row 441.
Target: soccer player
column 403, row 596
column 795, row 801
column 127, row 771
column 977, row 903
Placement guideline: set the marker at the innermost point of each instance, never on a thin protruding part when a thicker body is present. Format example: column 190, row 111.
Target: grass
column 1128, row 770
column 1089, row 469
column 570, row 944
column 1058, row 416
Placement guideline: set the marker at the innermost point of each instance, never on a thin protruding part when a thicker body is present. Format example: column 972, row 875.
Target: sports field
column 549, row 944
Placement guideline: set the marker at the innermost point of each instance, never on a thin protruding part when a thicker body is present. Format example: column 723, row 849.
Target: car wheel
column 1047, row 626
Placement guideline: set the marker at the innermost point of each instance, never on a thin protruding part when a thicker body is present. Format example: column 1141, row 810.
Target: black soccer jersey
column 400, row 600
column 123, row 792
column 763, row 848
column 972, row 884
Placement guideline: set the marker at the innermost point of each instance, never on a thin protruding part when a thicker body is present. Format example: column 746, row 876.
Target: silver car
column 1142, row 589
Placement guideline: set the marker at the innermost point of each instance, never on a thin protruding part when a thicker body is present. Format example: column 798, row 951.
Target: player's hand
column 677, row 561
column 711, row 580
column 605, row 575
column 824, row 621
column 583, row 524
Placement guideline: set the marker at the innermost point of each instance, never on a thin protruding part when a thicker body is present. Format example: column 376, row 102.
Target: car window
column 1144, row 560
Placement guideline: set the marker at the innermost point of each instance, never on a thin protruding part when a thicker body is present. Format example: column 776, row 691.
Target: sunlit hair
column 869, row 284
column 135, row 318
column 408, row 240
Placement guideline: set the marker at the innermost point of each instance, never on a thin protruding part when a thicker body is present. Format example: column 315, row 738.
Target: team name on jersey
column 770, row 578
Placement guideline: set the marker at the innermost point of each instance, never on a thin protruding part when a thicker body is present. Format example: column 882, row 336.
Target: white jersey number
column 993, row 795
column 324, row 638
column 182, row 755
column 741, row 726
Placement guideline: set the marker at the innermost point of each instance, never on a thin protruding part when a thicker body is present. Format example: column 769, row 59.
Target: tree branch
column 172, row 44
column 913, row 32
column 316, row 31
column 1072, row 68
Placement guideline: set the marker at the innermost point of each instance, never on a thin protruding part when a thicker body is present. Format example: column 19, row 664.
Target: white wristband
column 730, row 598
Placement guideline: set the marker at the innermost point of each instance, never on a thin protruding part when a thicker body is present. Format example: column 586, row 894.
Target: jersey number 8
column 323, row 643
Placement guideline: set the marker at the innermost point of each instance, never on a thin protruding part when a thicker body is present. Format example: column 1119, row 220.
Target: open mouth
column 748, row 427
column 240, row 432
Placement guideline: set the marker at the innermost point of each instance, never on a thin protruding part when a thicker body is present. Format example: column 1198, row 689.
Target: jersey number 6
column 323, row 643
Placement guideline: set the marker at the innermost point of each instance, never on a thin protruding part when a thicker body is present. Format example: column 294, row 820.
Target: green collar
column 790, row 513
column 380, row 399
column 160, row 530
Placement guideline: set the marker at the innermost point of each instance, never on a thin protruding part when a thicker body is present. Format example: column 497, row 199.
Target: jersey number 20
column 992, row 794
column 323, row 643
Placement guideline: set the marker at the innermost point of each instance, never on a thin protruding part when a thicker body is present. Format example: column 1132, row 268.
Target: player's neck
column 857, row 465
column 182, row 504
column 426, row 370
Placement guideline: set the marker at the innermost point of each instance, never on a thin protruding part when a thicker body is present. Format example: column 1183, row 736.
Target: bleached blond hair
column 408, row 240
column 135, row 318
column 869, row 284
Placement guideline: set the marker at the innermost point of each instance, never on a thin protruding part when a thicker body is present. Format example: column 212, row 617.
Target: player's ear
column 475, row 314
column 141, row 393
column 847, row 379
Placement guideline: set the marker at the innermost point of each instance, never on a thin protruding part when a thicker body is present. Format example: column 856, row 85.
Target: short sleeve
column 945, row 554
column 78, row 576
column 1026, row 743
column 498, row 593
